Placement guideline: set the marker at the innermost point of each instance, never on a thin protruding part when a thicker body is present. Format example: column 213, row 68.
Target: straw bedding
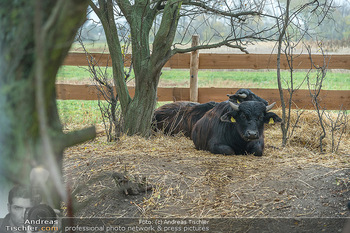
column 292, row 181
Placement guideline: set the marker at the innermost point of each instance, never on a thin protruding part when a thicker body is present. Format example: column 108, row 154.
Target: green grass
column 253, row 79
column 75, row 73
column 83, row 112
column 79, row 73
column 72, row 73
column 207, row 78
column 79, row 111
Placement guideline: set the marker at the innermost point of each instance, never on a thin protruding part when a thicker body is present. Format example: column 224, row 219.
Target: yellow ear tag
column 238, row 102
column 233, row 120
column 271, row 121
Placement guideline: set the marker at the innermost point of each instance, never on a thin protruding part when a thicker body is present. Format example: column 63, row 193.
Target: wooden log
column 194, row 70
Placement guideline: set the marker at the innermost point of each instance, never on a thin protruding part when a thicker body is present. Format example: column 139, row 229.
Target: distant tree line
column 211, row 28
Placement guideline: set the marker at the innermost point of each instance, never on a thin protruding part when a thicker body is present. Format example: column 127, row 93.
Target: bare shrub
column 315, row 82
column 108, row 99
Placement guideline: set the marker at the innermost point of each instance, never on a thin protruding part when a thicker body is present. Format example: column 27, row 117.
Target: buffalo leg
column 255, row 147
column 222, row 149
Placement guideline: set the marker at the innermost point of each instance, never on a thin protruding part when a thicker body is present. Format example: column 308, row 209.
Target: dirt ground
column 291, row 182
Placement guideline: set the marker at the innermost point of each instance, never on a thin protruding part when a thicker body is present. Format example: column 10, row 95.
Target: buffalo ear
column 228, row 117
column 233, row 98
column 271, row 118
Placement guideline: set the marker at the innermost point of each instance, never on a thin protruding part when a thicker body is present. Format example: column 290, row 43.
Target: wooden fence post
column 194, row 62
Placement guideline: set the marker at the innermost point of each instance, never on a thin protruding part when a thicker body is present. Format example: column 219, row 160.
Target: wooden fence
column 225, row 61
column 330, row 99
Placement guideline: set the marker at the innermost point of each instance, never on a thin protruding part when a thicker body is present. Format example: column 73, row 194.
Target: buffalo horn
column 242, row 95
column 234, row 106
column 268, row 108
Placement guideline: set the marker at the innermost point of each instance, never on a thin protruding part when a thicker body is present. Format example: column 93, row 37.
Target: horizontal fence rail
column 330, row 99
column 226, row 61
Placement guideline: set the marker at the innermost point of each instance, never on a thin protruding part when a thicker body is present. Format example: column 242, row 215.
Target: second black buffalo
column 180, row 116
column 231, row 128
column 244, row 94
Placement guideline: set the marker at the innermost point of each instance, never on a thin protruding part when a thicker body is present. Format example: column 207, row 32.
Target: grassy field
column 79, row 112
column 82, row 112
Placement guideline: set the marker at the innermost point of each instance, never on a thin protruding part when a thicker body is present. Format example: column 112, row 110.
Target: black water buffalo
column 179, row 116
column 230, row 128
column 245, row 95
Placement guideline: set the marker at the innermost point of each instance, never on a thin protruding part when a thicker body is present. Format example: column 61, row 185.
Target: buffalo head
column 245, row 95
column 249, row 118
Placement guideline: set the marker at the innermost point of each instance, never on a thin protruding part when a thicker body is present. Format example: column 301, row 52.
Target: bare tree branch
column 205, row 6
column 211, row 46
column 79, row 136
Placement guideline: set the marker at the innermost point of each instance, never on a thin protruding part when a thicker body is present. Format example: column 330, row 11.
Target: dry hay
column 293, row 181
column 307, row 132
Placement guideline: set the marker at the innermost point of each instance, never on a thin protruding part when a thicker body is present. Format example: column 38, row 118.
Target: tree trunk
column 138, row 116
column 36, row 36
column 138, row 111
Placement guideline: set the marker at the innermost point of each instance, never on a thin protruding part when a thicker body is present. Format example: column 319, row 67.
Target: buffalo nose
column 252, row 134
